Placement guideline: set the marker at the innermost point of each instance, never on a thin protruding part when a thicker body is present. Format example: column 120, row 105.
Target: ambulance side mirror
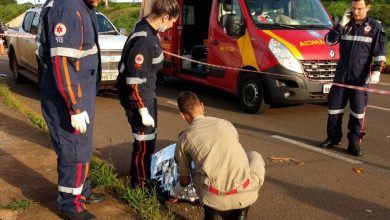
column 234, row 25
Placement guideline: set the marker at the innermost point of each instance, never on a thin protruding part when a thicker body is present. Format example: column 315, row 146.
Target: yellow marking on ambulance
column 309, row 43
column 247, row 52
column 289, row 46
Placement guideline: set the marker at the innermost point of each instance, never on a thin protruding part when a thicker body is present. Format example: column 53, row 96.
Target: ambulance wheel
column 251, row 95
column 15, row 68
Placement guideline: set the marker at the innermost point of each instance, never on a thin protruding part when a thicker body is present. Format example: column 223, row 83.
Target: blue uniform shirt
column 141, row 59
column 362, row 50
column 68, row 44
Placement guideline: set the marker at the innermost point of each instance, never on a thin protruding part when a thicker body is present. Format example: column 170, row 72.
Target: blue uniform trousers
column 337, row 100
column 143, row 145
column 74, row 150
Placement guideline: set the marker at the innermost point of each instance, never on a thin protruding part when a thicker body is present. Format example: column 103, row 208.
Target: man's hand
column 374, row 78
column 147, row 119
column 80, row 121
column 347, row 16
column 178, row 190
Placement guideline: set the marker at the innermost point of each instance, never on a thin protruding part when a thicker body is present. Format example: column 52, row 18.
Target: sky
column 43, row 1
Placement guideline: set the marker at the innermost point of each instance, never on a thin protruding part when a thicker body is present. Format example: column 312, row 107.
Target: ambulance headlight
column 284, row 56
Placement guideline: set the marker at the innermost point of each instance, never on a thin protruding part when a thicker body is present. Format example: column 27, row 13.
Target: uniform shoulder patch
column 139, row 59
column 59, row 30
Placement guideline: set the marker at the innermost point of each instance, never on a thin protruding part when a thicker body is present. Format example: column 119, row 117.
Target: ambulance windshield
column 288, row 13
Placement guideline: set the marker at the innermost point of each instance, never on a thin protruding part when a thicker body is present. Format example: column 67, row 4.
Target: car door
column 23, row 42
column 31, row 46
column 223, row 48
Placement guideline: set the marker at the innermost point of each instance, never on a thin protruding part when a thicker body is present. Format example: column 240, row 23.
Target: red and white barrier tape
column 33, row 36
column 379, row 91
column 19, row 35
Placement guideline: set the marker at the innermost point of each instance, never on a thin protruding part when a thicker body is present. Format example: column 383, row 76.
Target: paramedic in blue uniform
column 70, row 67
column 362, row 57
column 141, row 59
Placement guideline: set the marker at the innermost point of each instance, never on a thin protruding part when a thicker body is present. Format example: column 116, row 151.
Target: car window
column 104, row 24
column 34, row 25
column 27, row 21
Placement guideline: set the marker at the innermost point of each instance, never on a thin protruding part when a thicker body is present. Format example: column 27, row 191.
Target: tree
column 7, row 2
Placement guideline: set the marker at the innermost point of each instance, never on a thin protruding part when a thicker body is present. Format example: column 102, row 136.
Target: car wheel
column 15, row 69
column 251, row 95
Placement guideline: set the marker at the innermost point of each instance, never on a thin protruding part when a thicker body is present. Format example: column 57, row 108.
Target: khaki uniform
column 225, row 177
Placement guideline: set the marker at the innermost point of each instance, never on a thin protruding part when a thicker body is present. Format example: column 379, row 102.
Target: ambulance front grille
column 319, row 69
column 110, row 59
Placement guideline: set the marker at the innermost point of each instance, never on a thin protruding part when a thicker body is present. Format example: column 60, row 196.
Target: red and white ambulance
column 281, row 42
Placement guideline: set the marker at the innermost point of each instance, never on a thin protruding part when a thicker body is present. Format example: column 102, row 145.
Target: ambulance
column 263, row 51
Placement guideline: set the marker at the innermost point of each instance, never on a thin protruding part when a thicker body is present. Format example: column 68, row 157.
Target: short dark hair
column 187, row 101
column 367, row 2
column 162, row 7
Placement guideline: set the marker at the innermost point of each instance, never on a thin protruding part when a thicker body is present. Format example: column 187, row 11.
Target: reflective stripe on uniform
column 139, row 34
column 356, row 38
column 70, row 52
column 356, row 115
column 380, row 58
column 230, row 192
column 135, row 80
column 158, row 59
column 144, row 137
column 73, row 191
column 335, row 111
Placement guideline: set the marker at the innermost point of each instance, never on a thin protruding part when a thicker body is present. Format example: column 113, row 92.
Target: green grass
column 13, row 102
column 9, row 12
column 18, row 205
column 123, row 15
column 147, row 206
column 102, row 173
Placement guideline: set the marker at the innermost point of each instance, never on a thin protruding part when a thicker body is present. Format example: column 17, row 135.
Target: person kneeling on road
column 226, row 178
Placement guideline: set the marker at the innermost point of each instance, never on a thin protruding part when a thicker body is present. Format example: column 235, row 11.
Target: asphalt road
column 324, row 187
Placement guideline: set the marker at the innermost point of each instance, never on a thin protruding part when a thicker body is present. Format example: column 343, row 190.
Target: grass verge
column 18, row 205
column 102, row 173
column 13, row 102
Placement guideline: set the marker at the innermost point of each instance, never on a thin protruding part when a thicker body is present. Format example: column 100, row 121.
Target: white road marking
column 380, row 108
column 317, row 149
column 171, row 103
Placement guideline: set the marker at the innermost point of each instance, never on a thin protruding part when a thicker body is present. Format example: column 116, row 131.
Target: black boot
column 354, row 149
column 95, row 198
column 329, row 143
column 84, row 215
column 243, row 214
